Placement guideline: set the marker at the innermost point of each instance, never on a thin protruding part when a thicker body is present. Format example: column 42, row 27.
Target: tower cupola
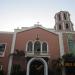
column 63, row 22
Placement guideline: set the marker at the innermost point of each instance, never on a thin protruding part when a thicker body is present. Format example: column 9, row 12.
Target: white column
column 68, row 16
column 33, row 48
column 12, row 51
column 41, row 49
column 63, row 24
column 61, row 44
column 62, row 16
column 56, row 25
column 61, row 48
column 56, row 19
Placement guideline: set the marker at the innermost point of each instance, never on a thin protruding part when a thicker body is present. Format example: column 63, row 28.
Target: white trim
column 56, row 27
column 73, row 32
column 12, row 51
column 33, row 47
column 41, row 52
column 47, row 46
column 41, row 47
column 47, row 49
column 27, row 45
column 62, row 16
column 3, row 32
column 61, row 44
column 36, row 26
column 68, row 16
column 64, row 28
column 39, row 59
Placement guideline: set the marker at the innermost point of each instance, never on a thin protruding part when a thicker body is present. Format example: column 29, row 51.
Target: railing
column 36, row 53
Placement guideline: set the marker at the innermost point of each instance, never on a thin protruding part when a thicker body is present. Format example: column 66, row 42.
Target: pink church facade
column 37, row 44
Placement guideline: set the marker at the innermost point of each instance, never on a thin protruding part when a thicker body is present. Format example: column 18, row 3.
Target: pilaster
column 61, row 44
column 12, row 51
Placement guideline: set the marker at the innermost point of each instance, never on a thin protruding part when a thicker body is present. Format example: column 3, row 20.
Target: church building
column 32, row 48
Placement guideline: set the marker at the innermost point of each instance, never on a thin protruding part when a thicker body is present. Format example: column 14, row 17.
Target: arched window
column 67, row 26
column 29, row 47
column 64, row 16
column 60, row 27
column 37, row 47
column 44, row 47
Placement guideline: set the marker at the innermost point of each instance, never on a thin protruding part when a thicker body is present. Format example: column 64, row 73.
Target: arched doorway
column 37, row 66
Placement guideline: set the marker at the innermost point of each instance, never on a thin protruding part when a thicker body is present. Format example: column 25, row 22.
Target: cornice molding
column 36, row 26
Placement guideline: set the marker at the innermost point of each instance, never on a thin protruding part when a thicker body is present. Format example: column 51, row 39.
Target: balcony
column 36, row 54
column 36, row 48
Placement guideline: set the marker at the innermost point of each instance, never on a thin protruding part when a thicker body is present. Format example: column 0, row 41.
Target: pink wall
column 51, row 38
column 6, row 38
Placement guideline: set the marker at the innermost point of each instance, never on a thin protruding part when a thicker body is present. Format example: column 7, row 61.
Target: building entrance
column 37, row 66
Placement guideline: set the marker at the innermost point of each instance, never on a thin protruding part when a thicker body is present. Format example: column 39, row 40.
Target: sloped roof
column 35, row 26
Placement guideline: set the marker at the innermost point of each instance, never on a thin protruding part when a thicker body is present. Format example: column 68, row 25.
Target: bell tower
column 63, row 22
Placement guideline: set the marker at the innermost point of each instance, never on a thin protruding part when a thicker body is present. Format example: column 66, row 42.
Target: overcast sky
column 26, row 13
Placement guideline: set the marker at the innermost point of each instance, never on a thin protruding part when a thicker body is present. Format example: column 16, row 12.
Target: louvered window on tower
column 64, row 16
column 60, row 27
column 67, row 26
